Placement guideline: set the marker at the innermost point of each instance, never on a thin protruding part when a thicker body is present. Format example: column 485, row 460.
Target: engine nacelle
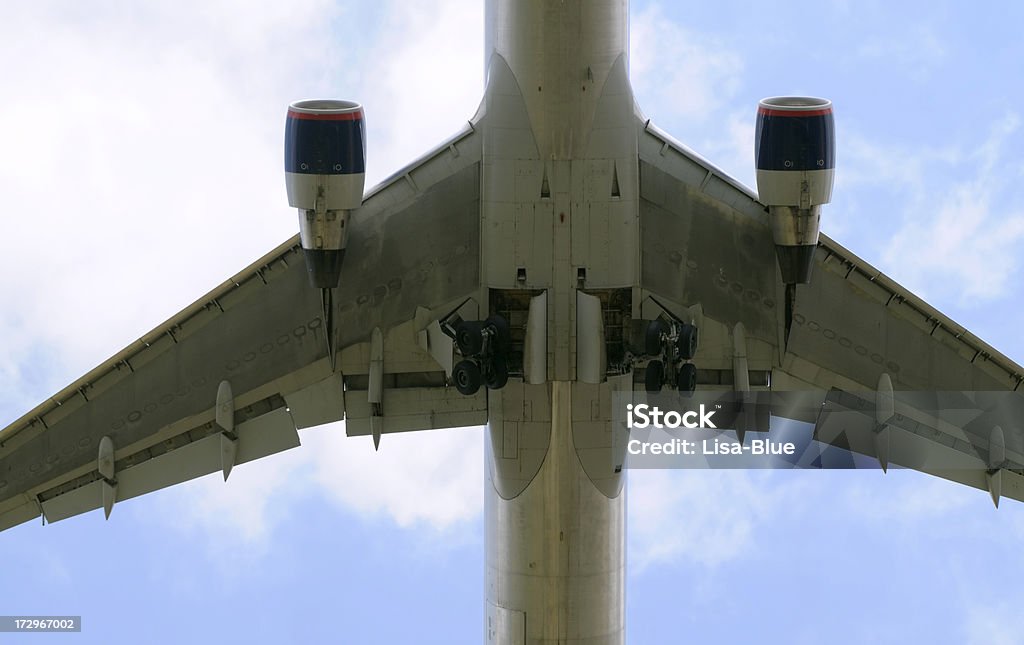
column 795, row 155
column 325, row 172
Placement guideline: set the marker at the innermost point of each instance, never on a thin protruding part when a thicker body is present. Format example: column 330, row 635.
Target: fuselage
column 559, row 231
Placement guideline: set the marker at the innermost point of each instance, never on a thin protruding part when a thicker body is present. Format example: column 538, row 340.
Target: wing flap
column 21, row 510
column 946, row 443
column 319, row 403
column 257, row 438
column 415, row 408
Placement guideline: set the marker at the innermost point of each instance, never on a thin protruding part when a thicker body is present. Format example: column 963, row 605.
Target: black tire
column 497, row 375
column 652, row 340
column 687, row 342
column 469, row 337
column 502, row 334
column 467, row 377
column 686, row 378
column 654, row 376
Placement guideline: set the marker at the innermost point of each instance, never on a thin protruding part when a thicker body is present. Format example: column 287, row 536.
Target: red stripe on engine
column 326, row 116
column 771, row 112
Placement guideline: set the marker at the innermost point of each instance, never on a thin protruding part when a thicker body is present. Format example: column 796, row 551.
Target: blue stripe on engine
column 795, row 142
column 315, row 147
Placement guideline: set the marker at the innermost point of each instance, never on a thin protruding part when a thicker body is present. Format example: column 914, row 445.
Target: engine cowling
column 325, row 172
column 795, row 155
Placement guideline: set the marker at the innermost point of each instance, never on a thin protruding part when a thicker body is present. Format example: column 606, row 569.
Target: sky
column 140, row 166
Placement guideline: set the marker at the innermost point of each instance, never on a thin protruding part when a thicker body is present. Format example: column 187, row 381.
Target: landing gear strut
column 671, row 346
column 484, row 346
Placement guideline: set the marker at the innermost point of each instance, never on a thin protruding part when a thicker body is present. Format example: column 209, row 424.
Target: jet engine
column 795, row 154
column 325, row 170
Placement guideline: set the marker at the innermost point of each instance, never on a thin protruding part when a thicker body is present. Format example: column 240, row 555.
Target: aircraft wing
column 877, row 370
column 232, row 377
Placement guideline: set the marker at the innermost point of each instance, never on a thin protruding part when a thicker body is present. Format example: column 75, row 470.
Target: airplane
column 582, row 283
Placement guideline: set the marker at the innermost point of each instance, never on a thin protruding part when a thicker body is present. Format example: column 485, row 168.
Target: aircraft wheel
column 687, row 342
column 467, row 377
column 497, row 376
column 469, row 337
column 686, row 378
column 652, row 340
column 654, row 376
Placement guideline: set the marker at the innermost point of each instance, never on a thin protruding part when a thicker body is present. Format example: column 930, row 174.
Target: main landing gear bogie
column 671, row 346
column 484, row 346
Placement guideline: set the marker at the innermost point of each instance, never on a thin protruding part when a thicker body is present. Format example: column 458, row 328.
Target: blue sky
column 140, row 166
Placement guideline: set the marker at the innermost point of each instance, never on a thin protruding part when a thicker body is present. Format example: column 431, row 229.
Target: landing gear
column 686, row 343
column 502, row 336
column 686, row 379
column 484, row 345
column 656, row 331
column 467, row 377
column 469, row 337
column 671, row 345
column 654, row 376
column 496, row 375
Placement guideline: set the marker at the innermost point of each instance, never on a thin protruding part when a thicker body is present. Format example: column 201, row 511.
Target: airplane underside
column 557, row 255
column 559, row 122
column 555, row 541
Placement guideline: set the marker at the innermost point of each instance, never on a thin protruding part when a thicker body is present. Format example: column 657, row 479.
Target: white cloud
column 733, row 150
column 961, row 235
column 142, row 149
column 1000, row 623
column 687, row 83
column 140, row 166
column 422, row 80
column 419, row 481
column 917, row 50
column 865, row 162
column 674, row 66
column 237, row 518
column 433, row 479
column 704, row 517
column 908, row 497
